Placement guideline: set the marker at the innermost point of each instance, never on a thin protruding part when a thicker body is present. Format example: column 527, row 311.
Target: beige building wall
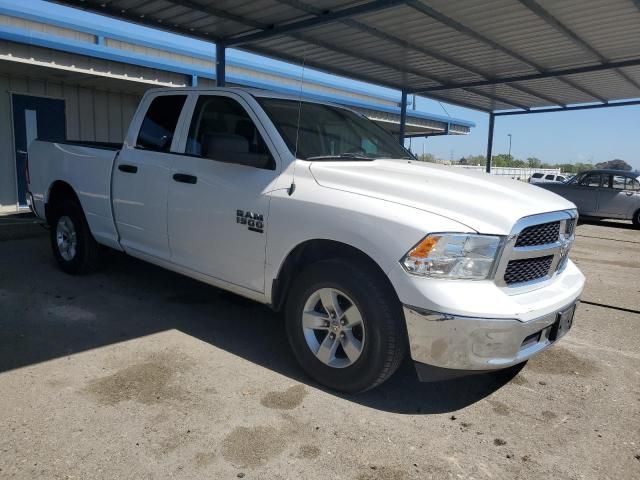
column 91, row 115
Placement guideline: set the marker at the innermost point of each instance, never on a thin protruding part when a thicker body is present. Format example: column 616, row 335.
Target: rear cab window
column 536, row 175
column 159, row 124
column 550, row 177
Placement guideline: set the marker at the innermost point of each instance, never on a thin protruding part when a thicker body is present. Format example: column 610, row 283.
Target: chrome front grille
column 536, row 249
column 527, row 269
column 542, row 234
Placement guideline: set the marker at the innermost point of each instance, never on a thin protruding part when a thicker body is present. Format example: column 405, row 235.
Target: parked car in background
column 539, row 177
column 603, row 194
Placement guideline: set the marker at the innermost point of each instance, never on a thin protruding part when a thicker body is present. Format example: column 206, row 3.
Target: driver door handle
column 185, row 178
column 123, row 167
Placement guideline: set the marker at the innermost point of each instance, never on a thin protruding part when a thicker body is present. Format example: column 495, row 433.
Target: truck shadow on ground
column 46, row 314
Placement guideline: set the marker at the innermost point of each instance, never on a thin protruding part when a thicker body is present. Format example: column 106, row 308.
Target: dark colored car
column 603, row 194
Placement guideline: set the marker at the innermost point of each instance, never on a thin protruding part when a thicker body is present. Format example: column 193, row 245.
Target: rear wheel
column 345, row 325
column 74, row 248
column 636, row 218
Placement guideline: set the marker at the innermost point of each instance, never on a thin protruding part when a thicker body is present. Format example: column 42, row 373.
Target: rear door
column 141, row 178
column 619, row 197
column 219, row 192
column 34, row 118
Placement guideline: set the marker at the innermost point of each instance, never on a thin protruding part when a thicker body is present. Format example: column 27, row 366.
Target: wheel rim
column 66, row 238
column 333, row 328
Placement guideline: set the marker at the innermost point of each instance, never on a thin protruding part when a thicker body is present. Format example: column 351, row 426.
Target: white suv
column 548, row 178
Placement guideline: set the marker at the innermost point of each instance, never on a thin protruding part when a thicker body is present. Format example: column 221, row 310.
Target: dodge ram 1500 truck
column 317, row 211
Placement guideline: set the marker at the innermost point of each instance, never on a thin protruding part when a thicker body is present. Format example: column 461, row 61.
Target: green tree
column 533, row 162
column 615, row 164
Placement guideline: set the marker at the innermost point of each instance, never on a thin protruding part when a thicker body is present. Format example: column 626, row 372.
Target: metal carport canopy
column 492, row 55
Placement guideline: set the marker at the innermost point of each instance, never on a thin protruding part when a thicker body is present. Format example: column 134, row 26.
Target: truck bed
column 87, row 168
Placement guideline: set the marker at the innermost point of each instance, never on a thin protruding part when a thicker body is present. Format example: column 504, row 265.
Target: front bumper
column 455, row 342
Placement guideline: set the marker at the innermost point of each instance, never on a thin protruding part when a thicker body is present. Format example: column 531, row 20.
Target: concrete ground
column 136, row 372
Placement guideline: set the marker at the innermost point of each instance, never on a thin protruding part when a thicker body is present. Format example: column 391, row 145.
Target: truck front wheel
column 345, row 325
column 74, row 248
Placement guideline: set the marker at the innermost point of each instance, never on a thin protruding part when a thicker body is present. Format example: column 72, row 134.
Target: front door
column 219, row 194
column 584, row 193
column 618, row 197
column 34, row 118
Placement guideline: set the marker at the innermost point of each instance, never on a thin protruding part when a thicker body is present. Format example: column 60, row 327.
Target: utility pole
column 509, row 135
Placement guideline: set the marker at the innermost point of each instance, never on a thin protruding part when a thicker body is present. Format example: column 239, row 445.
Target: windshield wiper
column 350, row 156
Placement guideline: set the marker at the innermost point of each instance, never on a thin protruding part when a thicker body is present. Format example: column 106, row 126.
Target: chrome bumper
column 469, row 343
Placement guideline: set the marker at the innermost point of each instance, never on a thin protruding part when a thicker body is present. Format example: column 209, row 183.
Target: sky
column 588, row 136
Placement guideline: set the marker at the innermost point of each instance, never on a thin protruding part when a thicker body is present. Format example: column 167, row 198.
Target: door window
column 550, row 177
column 620, row 182
column 591, row 180
column 222, row 130
column 159, row 124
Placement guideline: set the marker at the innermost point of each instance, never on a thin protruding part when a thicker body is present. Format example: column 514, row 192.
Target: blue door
column 34, row 118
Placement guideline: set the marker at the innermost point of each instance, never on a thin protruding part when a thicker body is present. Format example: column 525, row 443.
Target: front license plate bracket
column 562, row 324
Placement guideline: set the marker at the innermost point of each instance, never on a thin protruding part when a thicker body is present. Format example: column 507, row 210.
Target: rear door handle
column 123, row 167
column 185, row 178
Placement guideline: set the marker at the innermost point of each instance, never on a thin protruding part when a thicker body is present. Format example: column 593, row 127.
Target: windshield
column 330, row 133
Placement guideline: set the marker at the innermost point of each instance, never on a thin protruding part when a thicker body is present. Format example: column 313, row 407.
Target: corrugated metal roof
column 490, row 55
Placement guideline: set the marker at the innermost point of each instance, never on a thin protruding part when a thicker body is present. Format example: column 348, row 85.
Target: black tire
column 636, row 219
column 86, row 257
column 383, row 322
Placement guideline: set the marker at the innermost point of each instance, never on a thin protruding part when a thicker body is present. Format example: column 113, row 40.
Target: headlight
column 453, row 255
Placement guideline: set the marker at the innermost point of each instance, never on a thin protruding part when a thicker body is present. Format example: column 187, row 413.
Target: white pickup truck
column 317, row 211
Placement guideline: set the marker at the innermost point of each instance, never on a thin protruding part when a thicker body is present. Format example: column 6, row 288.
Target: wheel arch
column 312, row 251
column 59, row 191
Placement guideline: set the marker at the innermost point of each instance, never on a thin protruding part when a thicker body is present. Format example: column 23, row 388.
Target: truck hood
column 484, row 203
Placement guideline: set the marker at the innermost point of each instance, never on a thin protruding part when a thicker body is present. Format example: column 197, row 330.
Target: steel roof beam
column 124, row 15
column 558, row 25
column 460, row 103
column 404, row 44
column 217, row 12
column 323, row 18
column 322, row 44
column 398, row 68
column 450, row 22
column 573, row 107
column 534, row 76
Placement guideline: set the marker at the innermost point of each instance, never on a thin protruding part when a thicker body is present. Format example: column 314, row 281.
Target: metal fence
column 513, row 172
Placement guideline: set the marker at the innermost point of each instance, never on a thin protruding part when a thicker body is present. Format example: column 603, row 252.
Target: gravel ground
column 136, row 372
